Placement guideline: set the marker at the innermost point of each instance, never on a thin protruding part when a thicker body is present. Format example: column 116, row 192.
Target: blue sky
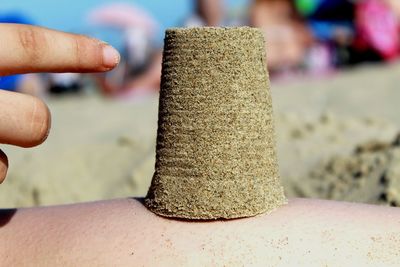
column 69, row 15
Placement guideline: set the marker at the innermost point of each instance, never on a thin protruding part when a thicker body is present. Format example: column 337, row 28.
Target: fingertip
column 40, row 124
column 3, row 166
column 26, row 122
column 44, row 130
column 91, row 55
column 111, row 56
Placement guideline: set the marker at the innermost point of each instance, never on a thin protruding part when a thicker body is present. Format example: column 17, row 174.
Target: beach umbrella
column 123, row 15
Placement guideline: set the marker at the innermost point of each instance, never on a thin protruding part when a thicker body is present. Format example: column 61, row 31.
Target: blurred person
column 211, row 12
column 64, row 83
column 287, row 37
column 329, row 20
column 353, row 31
column 207, row 13
column 331, row 23
column 140, row 70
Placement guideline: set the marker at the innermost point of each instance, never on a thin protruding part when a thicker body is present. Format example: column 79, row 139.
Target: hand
column 25, row 120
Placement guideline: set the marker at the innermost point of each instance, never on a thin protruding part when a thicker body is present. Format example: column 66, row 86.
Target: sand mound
column 305, row 145
column 371, row 174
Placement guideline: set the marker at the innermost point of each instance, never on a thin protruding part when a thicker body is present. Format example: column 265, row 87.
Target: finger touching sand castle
column 216, row 154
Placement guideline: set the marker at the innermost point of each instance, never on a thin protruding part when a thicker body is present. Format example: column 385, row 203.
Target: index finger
column 26, row 48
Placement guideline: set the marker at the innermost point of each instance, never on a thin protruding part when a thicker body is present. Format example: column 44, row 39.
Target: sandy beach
column 102, row 149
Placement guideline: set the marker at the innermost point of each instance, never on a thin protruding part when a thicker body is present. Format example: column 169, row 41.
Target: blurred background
column 334, row 69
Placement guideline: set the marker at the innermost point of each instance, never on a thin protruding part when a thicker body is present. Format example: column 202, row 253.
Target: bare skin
column 124, row 233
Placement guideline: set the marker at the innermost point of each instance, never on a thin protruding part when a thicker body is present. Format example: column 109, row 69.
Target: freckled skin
column 123, row 232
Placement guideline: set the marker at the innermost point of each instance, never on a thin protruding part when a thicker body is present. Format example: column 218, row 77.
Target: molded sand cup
column 215, row 145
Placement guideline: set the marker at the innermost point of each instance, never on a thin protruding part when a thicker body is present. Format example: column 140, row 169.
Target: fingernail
column 110, row 56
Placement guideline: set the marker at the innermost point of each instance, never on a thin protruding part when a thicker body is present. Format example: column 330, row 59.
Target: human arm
column 124, row 233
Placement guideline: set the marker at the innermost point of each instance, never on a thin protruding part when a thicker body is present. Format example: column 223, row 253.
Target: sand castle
column 216, row 155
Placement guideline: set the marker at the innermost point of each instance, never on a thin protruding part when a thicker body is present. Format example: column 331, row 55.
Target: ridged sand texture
column 216, row 153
